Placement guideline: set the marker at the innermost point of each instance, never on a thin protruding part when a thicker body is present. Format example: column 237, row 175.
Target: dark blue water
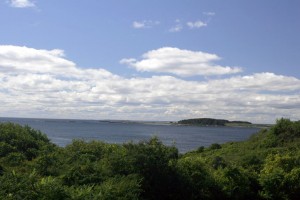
column 185, row 138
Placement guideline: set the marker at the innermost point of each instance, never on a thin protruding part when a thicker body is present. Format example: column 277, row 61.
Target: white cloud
column 209, row 13
column 177, row 27
column 138, row 25
column 144, row 24
column 16, row 58
column 180, row 62
column 192, row 25
column 21, row 3
column 43, row 83
column 196, row 24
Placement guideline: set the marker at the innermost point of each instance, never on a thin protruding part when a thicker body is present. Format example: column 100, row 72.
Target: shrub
column 215, row 146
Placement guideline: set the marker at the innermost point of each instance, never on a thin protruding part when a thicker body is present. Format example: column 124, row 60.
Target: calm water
column 185, row 138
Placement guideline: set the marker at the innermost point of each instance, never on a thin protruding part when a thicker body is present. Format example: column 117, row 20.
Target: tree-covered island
column 212, row 122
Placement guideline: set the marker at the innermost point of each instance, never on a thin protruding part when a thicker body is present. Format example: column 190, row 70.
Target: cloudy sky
column 154, row 60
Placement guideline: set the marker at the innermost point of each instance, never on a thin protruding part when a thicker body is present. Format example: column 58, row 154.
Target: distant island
column 212, row 122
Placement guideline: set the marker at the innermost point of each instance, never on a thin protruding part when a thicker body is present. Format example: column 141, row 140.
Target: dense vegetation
column 267, row 166
column 211, row 122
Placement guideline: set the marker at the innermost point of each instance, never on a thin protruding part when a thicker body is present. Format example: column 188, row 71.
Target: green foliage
column 14, row 158
column 204, row 122
column 5, row 149
column 48, row 163
column 197, row 182
column 1, row 170
column 17, row 186
column 286, row 130
column 152, row 161
column 91, row 163
column 200, row 149
column 28, row 186
column 218, row 162
column 215, row 146
column 119, row 187
column 280, row 177
column 251, row 161
column 124, row 187
column 82, row 192
column 83, row 174
column 212, row 122
column 24, row 140
column 50, row 188
column 236, row 183
column 267, row 166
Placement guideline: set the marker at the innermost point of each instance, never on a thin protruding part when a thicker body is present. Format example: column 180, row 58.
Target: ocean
column 185, row 138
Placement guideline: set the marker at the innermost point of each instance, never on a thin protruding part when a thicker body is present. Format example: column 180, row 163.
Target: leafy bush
column 152, row 161
column 215, row 146
column 236, row 183
column 120, row 187
column 286, row 130
column 197, row 182
column 280, row 177
column 24, row 140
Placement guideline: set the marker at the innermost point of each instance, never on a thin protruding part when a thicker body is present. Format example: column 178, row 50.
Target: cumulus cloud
column 180, row 62
column 43, row 83
column 144, row 24
column 21, row 3
column 16, row 59
column 196, row 24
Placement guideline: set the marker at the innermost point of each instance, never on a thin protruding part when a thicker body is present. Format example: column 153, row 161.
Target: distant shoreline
column 211, row 122
column 166, row 123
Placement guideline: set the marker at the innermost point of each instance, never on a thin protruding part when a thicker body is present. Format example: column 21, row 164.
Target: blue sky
column 154, row 60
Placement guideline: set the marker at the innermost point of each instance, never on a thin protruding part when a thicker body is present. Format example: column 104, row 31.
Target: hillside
column 267, row 166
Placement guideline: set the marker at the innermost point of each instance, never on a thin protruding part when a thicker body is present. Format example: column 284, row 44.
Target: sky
column 150, row 60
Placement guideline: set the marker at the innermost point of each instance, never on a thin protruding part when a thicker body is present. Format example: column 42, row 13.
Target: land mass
column 212, row 122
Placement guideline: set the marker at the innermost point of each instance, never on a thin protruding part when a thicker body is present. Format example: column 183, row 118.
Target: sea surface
column 185, row 138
